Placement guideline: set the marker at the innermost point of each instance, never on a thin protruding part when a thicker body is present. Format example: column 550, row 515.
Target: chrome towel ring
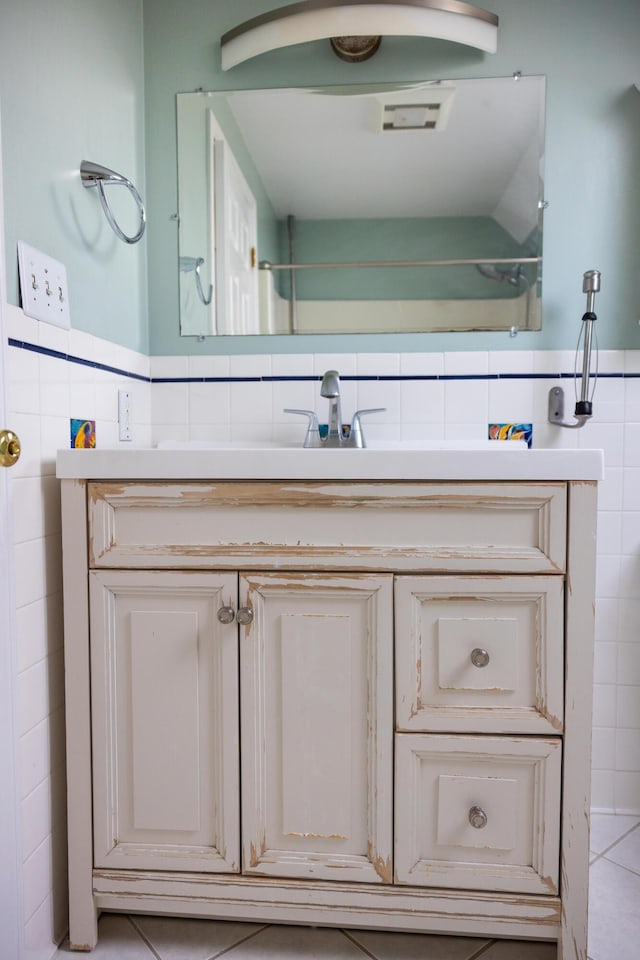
column 94, row 175
column 187, row 264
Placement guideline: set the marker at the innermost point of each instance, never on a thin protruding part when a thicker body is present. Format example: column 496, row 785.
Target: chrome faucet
column 338, row 434
column 330, row 389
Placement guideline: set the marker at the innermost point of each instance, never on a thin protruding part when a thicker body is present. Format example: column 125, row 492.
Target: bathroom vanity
column 331, row 687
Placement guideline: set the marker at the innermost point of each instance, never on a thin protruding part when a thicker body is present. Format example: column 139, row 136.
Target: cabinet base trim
column 330, row 904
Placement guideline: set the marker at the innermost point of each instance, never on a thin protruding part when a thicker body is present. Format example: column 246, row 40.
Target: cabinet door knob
column 226, row 615
column 245, row 615
column 477, row 817
column 479, row 657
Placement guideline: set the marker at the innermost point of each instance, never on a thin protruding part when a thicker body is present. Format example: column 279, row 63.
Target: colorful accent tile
column 83, row 434
column 511, row 431
column 323, row 429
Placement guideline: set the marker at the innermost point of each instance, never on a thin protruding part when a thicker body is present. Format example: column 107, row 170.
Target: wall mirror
column 383, row 208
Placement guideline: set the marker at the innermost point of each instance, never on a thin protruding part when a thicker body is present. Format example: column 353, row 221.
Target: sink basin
column 494, row 445
column 228, row 445
column 287, row 460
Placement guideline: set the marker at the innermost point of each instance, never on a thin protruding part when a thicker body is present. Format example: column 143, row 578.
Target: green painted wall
column 589, row 53
column 90, row 79
column 71, row 89
column 337, row 241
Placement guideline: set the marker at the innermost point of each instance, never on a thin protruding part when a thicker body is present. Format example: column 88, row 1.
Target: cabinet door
column 316, row 726
column 164, row 674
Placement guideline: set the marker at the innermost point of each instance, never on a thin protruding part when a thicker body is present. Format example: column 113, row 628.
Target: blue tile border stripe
column 386, row 378
column 70, row 358
column 305, row 378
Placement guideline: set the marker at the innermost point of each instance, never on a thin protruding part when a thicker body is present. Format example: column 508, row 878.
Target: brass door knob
column 9, row 448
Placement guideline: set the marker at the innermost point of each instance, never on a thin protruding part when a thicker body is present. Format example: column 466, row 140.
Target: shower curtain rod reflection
column 267, row 265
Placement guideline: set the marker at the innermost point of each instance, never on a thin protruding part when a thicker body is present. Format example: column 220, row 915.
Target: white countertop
column 496, row 461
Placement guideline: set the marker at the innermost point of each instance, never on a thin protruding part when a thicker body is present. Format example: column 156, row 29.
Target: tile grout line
column 634, row 873
column 603, row 854
column 249, row 936
column 482, row 950
column 144, row 939
column 213, row 956
column 475, row 955
column 364, row 950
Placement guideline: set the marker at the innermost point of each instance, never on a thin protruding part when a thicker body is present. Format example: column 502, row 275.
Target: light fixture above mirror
column 355, row 27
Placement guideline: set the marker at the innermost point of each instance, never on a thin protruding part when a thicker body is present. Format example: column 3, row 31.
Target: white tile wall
column 430, row 410
column 44, row 392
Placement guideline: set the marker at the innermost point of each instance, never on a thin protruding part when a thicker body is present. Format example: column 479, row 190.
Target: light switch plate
column 43, row 286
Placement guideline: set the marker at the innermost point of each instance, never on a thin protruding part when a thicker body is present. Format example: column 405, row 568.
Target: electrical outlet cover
column 43, row 286
column 125, row 431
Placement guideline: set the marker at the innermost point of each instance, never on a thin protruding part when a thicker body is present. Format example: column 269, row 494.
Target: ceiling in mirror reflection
column 448, row 170
column 462, row 166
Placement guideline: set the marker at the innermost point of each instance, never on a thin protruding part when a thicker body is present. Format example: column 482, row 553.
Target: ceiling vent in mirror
column 426, row 109
column 355, row 27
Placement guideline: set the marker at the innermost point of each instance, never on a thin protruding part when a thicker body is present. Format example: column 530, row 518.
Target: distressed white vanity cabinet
column 339, row 689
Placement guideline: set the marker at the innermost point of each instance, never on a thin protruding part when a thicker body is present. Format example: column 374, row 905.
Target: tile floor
column 614, row 925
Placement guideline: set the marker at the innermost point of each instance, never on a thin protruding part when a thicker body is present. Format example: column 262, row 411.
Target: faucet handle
column 356, row 436
column 312, row 439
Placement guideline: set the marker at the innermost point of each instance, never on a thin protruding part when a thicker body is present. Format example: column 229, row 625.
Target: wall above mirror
column 356, row 209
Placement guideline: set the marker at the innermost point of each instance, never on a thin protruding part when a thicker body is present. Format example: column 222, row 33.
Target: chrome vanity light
column 355, row 27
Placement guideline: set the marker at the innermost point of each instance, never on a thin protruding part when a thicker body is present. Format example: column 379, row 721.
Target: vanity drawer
column 497, row 527
column 479, row 654
column 478, row 813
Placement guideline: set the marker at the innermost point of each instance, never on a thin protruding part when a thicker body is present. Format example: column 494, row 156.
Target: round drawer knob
column 245, row 615
column 226, row 615
column 477, row 818
column 479, row 657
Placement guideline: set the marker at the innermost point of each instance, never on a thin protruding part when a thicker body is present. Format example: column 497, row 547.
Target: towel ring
column 94, row 175
column 187, row 264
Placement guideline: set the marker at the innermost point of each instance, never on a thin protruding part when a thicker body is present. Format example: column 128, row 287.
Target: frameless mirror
column 381, row 208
